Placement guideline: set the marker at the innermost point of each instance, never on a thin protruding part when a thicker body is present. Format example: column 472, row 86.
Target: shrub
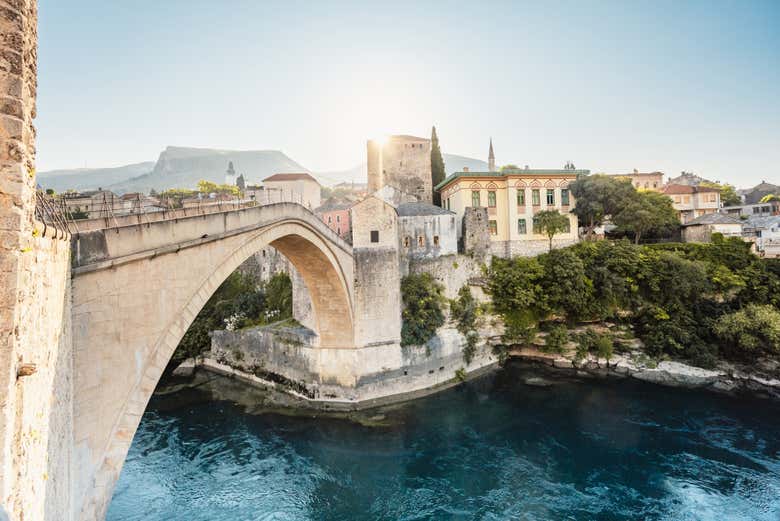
column 750, row 331
column 556, row 339
column 422, row 311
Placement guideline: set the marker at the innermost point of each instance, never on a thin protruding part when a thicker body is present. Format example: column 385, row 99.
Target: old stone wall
column 476, row 235
column 35, row 408
column 529, row 248
column 403, row 162
column 427, row 236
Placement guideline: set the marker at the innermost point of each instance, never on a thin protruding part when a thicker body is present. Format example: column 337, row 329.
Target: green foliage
column 751, row 331
column 674, row 295
column 556, row 339
column 551, row 222
column 237, row 303
column 437, row 166
column 509, row 167
column 591, row 341
column 645, row 212
column 465, row 311
column 208, row 187
column 77, row 214
column 767, row 198
column 460, row 374
column 599, row 196
column 422, row 311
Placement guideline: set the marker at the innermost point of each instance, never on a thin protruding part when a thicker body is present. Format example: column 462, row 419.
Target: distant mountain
column 91, row 178
column 453, row 163
column 183, row 167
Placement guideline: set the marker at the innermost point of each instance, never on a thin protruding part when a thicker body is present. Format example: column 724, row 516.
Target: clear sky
column 612, row 86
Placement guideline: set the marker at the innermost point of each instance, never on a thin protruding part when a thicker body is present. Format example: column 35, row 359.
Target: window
column 420, row 241
column 565, row 196
column 493, row 227
column 655, row 184
column 521, row 228
column 535, row 197
column 521, row 198
column 435, row 240
column 492, row 199
column 407, row 242
column 567, row 228
column 550, row 197
column 686, row 199
column 537, row 227
column 330, row 219
column 677, row 199
column 475, row 199
column 374, row 235
column 338, row 218
column 338, row 230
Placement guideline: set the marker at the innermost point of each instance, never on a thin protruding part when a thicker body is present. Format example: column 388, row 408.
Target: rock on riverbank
column 726, row 378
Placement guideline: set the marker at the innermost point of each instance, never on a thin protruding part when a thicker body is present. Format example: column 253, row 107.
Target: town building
column 765, row 232
column 758, row 192
column 692, row 201
column 512, row 199
column 687, row 179
column 337, row 217
column 757, row 209
column 653, row 181
column 301, row 188
column 94, row 203
column 701, row 228
column 403, row 162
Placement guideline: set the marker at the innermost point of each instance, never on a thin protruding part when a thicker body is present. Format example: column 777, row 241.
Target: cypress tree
column 437, row 166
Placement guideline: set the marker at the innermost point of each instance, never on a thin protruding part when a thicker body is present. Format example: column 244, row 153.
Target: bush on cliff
column 673, row 294
column 754, row 330
column 422, row 312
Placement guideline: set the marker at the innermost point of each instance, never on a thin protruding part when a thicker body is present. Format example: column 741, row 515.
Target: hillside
column 91, row 178
column 183, row 167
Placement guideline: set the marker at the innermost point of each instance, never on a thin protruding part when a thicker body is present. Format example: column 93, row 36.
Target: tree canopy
column 598, row 197
column 551, row 223
column 646, row 211
column 437, row 166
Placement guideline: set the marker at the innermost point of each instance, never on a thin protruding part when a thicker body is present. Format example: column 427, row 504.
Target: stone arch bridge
column 135, row 291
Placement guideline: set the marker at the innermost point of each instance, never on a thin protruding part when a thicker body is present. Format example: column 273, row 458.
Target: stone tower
column 230, row 175
column 403, row 162
column 491, row 158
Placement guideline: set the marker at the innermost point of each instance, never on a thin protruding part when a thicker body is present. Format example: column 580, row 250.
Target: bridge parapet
column 104, row 248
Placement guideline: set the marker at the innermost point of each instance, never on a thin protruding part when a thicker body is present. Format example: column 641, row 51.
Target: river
column 493, row 448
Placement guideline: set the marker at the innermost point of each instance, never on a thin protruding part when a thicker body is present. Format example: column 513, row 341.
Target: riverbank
column 761, row 380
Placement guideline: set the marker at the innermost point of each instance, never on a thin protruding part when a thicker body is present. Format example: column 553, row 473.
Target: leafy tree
column 517, row 294
column 598, row 197
column 769, row 198
column 605, row 347
column 437, row 166
column 465, row 310
column 646, row 211
column 728, row 196
column 567, row 288
column 50, row 191
column 556, row 339
column 77, row 214
column 552, row 222
column 208, row 187
column 750, row 331
column 278, row 292
column 510, row 166
column 422, row 311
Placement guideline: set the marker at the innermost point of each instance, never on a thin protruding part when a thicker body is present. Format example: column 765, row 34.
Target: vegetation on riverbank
column 238, row 303
column 698, row 302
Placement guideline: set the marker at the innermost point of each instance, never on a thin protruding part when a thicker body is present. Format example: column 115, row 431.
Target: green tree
column 464, row 310
column 517, row 295
column 437, row 166
column 769, row 198
column 598, row 197
column 750, row 331
column 509, row 167
column 278, row 291
column 552, row 222
column 422, row 311
column 645, row 212
column 567, row 289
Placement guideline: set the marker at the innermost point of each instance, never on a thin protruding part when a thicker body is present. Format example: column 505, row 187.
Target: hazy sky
column 612, row 86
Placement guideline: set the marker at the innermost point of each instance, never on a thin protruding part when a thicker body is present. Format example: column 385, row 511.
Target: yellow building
column 512, row 198
column 652, row 181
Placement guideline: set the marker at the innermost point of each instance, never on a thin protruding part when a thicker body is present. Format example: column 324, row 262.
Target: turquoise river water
column 493, row 448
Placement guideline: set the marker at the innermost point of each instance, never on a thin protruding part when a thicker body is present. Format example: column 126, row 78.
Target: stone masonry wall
column 35, row 409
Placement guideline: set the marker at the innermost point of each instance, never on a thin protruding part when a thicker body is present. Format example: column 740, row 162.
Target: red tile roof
column 290, row 177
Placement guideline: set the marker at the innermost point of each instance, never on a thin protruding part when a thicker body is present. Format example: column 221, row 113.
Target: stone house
column 337, row 217
column 301, row 188
column 96, row 203
column 701, row 228
column 653, row 181
column 751, row 210
column 692, row 201
column 758, row 192
column 765, row 232
column 512, row 199
column 403, row 162
column 426, row 231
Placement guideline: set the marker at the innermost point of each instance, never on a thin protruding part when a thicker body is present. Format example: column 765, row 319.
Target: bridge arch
column 119, row 359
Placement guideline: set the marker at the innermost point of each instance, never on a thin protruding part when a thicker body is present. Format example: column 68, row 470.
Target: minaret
column 491, row 158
